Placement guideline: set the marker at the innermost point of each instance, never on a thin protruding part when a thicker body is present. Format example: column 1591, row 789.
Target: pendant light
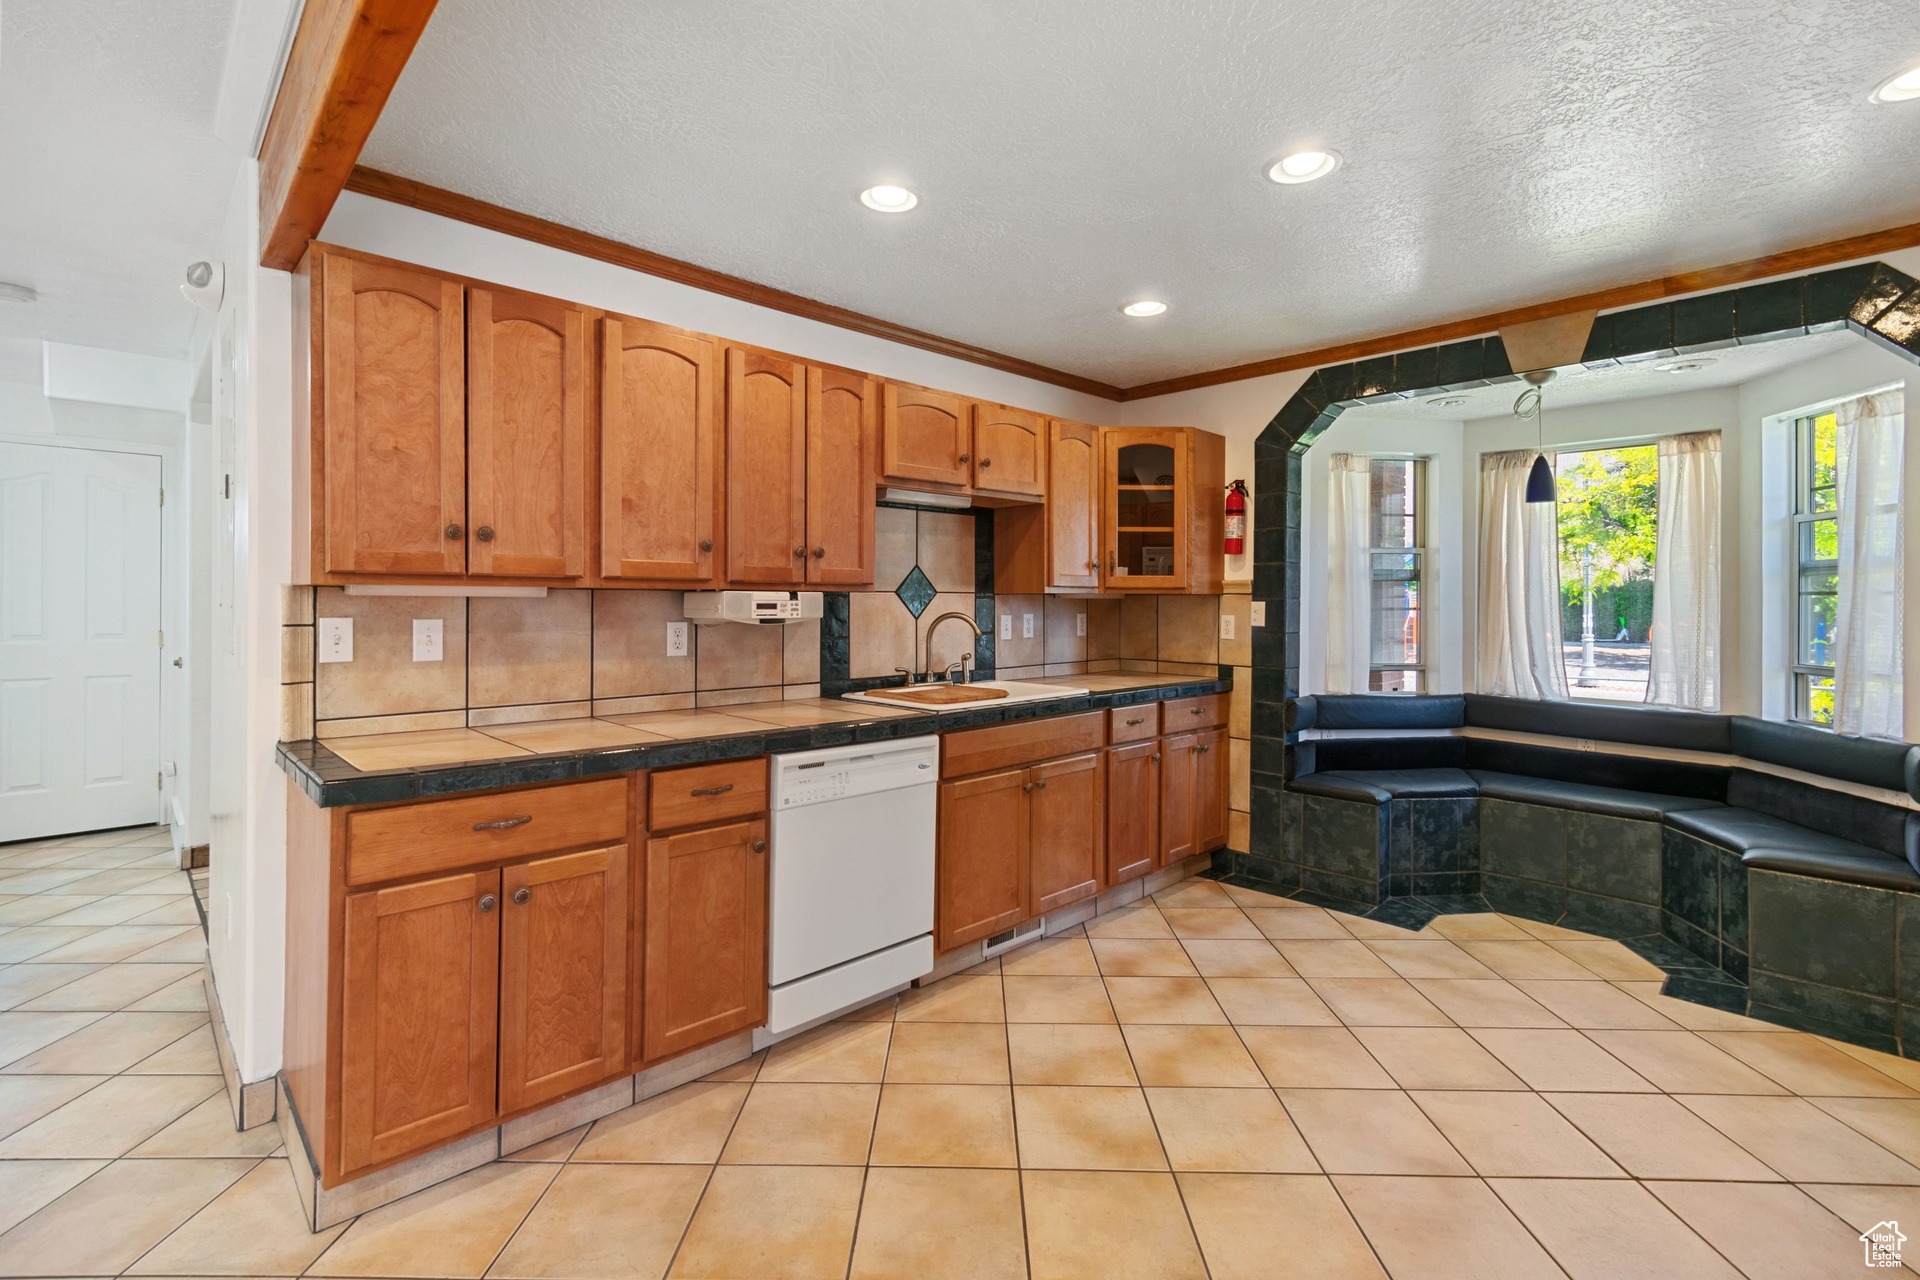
column 1532, row 404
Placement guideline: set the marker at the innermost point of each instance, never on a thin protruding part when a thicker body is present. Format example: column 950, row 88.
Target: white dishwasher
column 851, row 911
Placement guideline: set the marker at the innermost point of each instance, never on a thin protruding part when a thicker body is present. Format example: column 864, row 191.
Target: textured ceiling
column 113, row 179
column 1071, row 157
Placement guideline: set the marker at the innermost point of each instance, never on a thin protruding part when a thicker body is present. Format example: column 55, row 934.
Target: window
column 1816, row 539
column 1396, row 513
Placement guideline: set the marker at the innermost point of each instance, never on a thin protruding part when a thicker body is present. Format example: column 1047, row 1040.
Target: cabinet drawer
column 704, row 793
column 1178, row 715
column 1003, row 746
column 1133, row 724
column 419, row 839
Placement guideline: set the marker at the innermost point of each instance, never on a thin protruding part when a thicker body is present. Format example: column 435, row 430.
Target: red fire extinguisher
column 1236, row 517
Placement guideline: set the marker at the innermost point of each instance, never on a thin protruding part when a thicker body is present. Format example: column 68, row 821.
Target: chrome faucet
column 927, row 666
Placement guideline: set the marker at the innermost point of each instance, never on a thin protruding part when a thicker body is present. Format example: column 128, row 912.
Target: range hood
column 762, row 608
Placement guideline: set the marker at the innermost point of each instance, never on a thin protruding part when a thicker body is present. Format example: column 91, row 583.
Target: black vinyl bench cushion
column 1775, row 844
column 1378, row 786
column 1614, row 802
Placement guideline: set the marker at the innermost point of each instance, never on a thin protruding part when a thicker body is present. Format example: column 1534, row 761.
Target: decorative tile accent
column 916, row 591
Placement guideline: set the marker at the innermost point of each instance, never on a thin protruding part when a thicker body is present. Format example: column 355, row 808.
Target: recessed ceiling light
column 888, row 199
column 1303, row 166
column 1689, row 365
column 1448, row 402
column 18, row 292
column 1902, row 88
column 1142, row 309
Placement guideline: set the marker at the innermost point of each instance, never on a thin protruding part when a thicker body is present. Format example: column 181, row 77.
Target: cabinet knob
column 985, row 463
column 455, row 531
column 1156, row 757
column 488, row 902
column 484, row 533
column 1026, row 786
column 706, row 544
column 1093, row 564
column 801, row 552
column 819, row 553
column 1202, row 750
column 966, row 457
column 1042, row 784
column 522, row 896
column 759, row 846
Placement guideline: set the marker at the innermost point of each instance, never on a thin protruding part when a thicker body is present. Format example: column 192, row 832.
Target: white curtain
column 1685, row 636
column 1349, row 576
column 1867, row 695
column 1518, row 642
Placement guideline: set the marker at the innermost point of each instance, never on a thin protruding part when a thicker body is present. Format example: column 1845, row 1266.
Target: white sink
column 935, row 696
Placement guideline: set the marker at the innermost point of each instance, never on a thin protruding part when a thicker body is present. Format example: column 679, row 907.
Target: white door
column 79, row 640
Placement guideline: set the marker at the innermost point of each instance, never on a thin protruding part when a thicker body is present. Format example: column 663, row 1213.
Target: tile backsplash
column 583, row 652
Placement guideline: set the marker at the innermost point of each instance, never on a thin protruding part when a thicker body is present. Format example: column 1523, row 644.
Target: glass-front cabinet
column 1162, row 509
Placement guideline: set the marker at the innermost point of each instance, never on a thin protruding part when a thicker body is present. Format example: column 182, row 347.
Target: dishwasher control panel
column 844, row 773
column 812, row 784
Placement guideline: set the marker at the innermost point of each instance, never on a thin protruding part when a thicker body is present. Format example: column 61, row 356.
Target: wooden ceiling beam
column 346, row 57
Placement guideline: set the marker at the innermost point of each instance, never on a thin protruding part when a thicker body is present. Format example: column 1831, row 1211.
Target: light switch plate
column 1026, row 626
column 1006, row 626
column 1259, row 613
column 1226, row 626
column 677, row 639
column 1079, row 624
column 333, row 639
column 427, row 646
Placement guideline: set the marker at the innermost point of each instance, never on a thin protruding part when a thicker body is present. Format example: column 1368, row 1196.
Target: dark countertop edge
column 329, row 781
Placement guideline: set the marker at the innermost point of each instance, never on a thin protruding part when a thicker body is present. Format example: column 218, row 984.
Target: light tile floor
column 1217, row 1083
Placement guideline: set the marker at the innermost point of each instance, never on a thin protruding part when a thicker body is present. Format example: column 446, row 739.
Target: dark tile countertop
column 330, row 780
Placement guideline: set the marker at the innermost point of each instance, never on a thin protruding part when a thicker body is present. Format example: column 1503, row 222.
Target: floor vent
column 1019, row 935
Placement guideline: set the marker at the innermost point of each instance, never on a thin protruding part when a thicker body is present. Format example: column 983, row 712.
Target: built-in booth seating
column 1783, row 855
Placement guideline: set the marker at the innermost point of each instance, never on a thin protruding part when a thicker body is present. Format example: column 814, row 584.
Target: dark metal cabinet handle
column 985, row 463
column 801, row 552
column 1196, row 711
column 488, row 902
column 1093, row 564
column 455, row 531
column 522, row 895
column 1042, row 784
column 1156, row 757
column 1137, row 720
column 966, row 457
column 759, row 846
column 484, row 533
column 1203, row 750
column 712, row 791
column 1027, row 787
column 706, row 544
column 819, row 553
column 504, row 823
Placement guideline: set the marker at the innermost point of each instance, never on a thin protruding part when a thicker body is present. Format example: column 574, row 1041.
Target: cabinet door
column 1066, row 831
column 766, row 468
column 563, row 975
column 526, row 436
column 982, row 857
column 394, row 439
column 418, row 1016
column 925, row 436
column 1209, row 790
column 706, row 937
column 1144, row 508
column 1073, row 505
column 843, row 416
column 1133, row 810
column 1009, row 450
column 659, row 470
column 1176, row 798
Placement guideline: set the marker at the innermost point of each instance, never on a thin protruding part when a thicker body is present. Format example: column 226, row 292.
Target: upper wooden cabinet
column 1009, row 450
column 527, row 367
column 1055, row 546
column 659, row 454
column 926, row 437
column 391, row 478
column 843, row 416
column 766, row 468
column 1162, row 509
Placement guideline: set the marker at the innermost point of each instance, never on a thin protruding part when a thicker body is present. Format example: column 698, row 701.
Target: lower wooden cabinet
column 1133, row 810
column 563, row 975
column 1066, row 828
column 1210, row 790
column 419, row 1015
column 706, row 937
column 982, row 884
column 1176, row 798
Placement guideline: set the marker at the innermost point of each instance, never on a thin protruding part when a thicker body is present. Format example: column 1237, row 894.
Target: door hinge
column 163, row 496
column 159, row 782
column 163, row 639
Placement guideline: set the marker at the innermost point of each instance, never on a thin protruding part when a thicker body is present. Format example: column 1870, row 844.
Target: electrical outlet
column 1006, row 626
column 1026, row 626
column 1079, row 624
column 1226, row 626
column 427, row 646
column 1259, row 613
column 677, row 639
column 333, row 639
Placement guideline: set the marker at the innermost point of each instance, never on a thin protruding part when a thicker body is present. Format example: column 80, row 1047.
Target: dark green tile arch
column 1872, row 299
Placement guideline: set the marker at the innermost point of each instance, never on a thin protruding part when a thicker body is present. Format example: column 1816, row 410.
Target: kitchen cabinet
column 1210, row 790
column 390, row 477
column 843, row 416
column 1162, row 509
column 527, row 367
column 1055, row 546
column 1009, row 451
column 706, row 936
column 981, row 886
column 926, row 437
column 1176, row 798
column 766, row 468
column 1066, row 831
column 563, row 974
column 418, row 1015
column 660, row 473
column 1133, row 810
